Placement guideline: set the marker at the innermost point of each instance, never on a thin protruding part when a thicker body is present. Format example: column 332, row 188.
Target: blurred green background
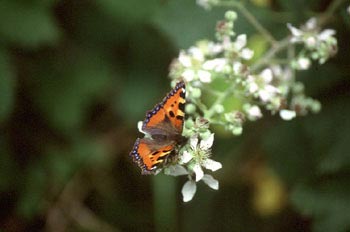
column 76, row 76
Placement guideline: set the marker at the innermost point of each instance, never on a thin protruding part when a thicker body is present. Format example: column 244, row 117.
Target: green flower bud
column 237, row 130
column 196, row 93
column 315, row 106
column 231, row 15
column 204, row 135
column 219, row 108
column 189, row 123
column 190, row 108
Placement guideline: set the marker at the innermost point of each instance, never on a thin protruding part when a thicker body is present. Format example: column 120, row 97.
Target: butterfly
column 163, row 128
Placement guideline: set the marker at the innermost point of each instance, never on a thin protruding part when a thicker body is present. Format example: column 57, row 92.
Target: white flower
column 260, row 85
column 237, row 67
column 247, row 53
column 199, row 154
column 267, row 93
column 282, row 74
column 348, row 9
column 303, row 63
column 253, row 112
column 310, row 41
column 188, row 75
column 204, row 76
column 287, row 114
column 252, row 85
column 214, row 48
column 196, row 53
column 216, row 65
column 185, row 59
column 241, row 41
column 319, row 44
column 266, row 74
column 195, row 159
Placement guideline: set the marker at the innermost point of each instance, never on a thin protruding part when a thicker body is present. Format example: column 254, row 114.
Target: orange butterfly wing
column 164, row 124
column 172, row 107
column 149, row 155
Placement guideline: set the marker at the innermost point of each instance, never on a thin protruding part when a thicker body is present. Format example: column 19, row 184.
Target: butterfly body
column 163, row 128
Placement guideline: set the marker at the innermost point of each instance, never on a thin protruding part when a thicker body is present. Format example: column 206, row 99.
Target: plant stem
column 333, row 6
column 164, row 188
column 252, row 20
column 276, row 46
column 218, row 101
column 279, row 46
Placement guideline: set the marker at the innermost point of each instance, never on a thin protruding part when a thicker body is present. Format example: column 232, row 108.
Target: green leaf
column 138, row 95
column 185, row 22
column 8, row 168
column 329, row 137
column 7, row 85
column 28, row 25
column 62, row 163
column 327, row 200
column 68, row 86
column 31, row 199
column 288, row 151
column 130, row 11
column 50, row 172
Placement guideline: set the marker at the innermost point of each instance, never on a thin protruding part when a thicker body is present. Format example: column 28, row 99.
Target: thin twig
column 252, row 20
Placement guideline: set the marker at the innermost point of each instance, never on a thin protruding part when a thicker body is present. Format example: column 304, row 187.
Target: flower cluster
column 225, row 88
column 208, row 60
column 194, row 157
column 317, row 45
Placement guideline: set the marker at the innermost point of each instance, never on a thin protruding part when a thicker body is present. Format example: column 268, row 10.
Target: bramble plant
column 224, row 70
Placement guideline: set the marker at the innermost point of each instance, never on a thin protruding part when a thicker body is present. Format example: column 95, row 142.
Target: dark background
column 76, row 76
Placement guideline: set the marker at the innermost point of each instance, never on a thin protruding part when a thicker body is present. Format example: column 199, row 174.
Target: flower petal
column 198, row 171
column 247, row 53
column 204, row 76
column 184, row 59
column 211, row 182
column 188, row 75
column 175, row 170
column 193, row 142
column 196, row 53
column 212, row 165
column 311, row 24
column 267, row 75
column 287, row 114
column 186, row 157
column 241, row 41
column 303, row 63
column 188, row 190
column 237, row 67
column 216, row 65
column 325, row 34
column 295, row 31
column 254, row 112
column 205, row 144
